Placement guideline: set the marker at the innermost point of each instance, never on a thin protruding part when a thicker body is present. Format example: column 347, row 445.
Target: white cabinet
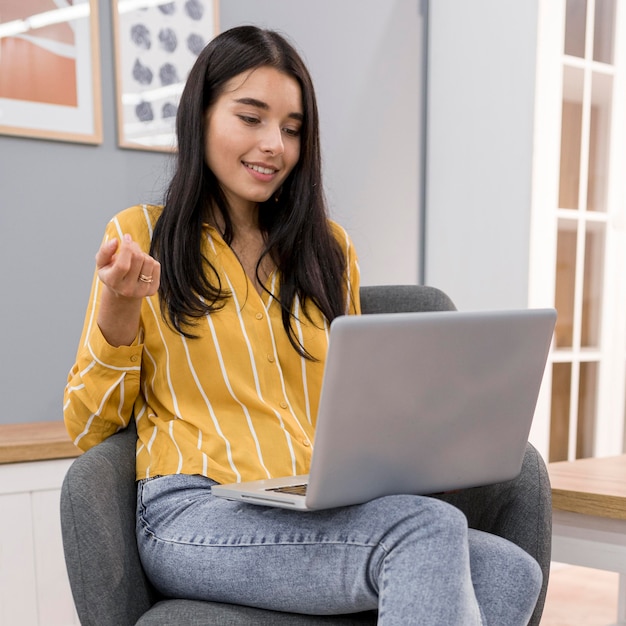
column 34, row 588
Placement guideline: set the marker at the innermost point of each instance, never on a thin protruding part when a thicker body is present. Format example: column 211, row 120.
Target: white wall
column 367, row 62
column 481, row 85
column 55, row 198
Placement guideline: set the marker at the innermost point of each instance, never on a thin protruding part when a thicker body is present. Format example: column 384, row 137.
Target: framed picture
column 156, row 44
column 50, row 70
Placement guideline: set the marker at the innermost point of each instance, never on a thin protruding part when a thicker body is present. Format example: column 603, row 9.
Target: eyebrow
column 259, row 104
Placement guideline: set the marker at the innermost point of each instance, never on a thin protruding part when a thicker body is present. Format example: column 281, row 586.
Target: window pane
column 587, row 392
column 571, row 129
column 600, row 132
column 603, row 27
column 565, row 283
column 592, row 285
column 575, row 20
column 559, row 422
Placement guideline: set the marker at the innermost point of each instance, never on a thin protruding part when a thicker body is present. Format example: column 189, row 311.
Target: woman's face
column 253, row 135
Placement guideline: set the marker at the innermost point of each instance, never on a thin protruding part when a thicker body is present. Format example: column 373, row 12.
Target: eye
column 247, row 119
column 292, row 132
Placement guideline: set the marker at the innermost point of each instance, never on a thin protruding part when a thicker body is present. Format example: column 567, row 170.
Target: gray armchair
column 98, row 522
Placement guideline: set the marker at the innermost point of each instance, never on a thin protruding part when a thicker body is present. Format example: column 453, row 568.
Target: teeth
column 261, row 170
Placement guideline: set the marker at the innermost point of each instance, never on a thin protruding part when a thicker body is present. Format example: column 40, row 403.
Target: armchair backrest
column 403, row 299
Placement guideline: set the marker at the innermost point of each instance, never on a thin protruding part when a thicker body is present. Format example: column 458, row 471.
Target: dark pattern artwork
column 157, row 45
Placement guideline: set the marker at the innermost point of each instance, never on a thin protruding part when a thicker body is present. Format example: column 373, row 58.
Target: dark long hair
column 309, row 260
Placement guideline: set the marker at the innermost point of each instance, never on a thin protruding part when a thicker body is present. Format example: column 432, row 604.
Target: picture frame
column 156, row 43
column 50, row 70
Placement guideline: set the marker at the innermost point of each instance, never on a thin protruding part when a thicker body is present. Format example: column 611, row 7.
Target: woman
column 208, row 322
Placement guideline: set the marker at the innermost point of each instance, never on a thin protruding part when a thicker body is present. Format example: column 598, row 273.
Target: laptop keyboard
column 296, row 490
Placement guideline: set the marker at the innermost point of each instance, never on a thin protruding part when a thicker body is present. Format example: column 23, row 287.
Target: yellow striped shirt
column 236, row 403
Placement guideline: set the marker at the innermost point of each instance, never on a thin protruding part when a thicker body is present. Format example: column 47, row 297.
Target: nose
column 272, row 140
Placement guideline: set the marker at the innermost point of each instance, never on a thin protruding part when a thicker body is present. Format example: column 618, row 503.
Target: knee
column 429, row 517
column 444, row 511
column 498, row 558
column 528, row 572
column 524, row 582
column 443, row 515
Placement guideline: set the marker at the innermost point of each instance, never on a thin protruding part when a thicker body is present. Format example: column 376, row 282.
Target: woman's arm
column 103, row 383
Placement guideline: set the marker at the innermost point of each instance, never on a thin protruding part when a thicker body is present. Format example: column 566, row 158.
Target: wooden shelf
column 35, row 441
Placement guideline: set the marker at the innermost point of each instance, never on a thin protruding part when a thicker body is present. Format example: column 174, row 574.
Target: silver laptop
column 417, row 403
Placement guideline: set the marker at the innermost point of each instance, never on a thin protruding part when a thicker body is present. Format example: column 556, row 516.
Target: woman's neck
column 244, row 220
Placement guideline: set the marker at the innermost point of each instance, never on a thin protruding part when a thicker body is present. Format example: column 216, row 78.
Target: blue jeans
column 412, row 558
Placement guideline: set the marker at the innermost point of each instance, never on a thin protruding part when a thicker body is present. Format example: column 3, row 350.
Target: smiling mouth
column 261, row 170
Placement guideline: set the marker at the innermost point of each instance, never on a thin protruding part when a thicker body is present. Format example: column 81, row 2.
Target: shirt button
column 283, row 405
column 306, row 443
column 259, row 316
column 134, row 358
column 270, row 358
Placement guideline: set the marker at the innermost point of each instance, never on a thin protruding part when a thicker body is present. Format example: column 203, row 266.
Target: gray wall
column 481, row 90
column 366, row 57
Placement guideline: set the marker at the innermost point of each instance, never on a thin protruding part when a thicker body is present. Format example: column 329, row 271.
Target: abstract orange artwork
column 37, row 68
column 49, row 79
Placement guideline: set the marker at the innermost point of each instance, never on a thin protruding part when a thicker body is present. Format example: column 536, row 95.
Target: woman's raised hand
column 126, row 269
column 128, row 275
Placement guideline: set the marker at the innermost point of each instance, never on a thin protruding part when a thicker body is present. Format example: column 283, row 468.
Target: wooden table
column 589, row 517
column 35, row 441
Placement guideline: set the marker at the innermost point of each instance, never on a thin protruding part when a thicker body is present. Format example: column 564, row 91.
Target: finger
column 106, row 252
column 150, row 274
column 130, row 271
column 156, row 275
column 129, row 260
column 147, row 268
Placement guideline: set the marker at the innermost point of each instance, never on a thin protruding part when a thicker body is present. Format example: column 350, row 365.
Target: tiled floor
column 579, row 596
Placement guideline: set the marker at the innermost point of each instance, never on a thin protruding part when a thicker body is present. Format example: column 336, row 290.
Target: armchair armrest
column 98, row 500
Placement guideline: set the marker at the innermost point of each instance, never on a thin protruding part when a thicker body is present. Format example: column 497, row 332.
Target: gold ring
column 145, row 279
